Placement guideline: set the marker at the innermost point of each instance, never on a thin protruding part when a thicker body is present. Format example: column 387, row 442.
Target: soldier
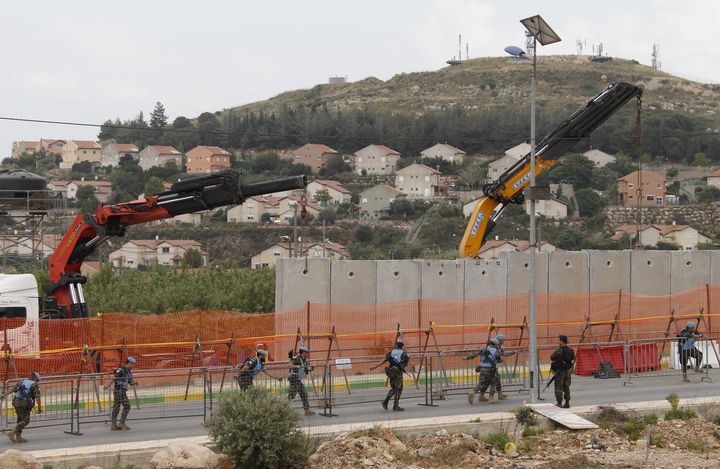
column 489, row 358
column 251, row 368
column 562, row 362
column 502, row 353
column 686, row 348
column 298, row 369
column 122, row 380
column 397, row 360
column 27, row 393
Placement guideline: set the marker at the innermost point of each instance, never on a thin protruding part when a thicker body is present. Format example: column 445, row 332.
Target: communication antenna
column 460, row 47
column 529, row 44
column 580, row 45
column 467, row 51
column 656, row 64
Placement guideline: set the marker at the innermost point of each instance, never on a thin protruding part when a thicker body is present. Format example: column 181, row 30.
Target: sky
column 87, row 61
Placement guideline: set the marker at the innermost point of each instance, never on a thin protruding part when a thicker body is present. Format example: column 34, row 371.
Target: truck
column 19, row 299
column 508, row 188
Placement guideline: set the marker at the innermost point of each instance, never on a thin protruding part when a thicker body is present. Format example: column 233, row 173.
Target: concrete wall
column 367, row 282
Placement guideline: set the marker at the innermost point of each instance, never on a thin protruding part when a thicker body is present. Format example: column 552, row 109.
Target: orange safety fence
column 195, row 338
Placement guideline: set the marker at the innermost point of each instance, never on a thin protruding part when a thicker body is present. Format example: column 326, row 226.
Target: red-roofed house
column 147, row 252
column 112, row 152
column 267, row 258
column 337, row 192
column 713, row 179
column 314, row 155
column 103, row 189
column 159, row 155
column 29, row 244
column 492, row 249
column 684, row 236
column 651, row 191
column 76, row 151
column 444, row 152
column 52, row 146
column 253, row 209
column 29, row 147
column 376, row 159
column 418, row 180
column 206, row 159
column 375, row 201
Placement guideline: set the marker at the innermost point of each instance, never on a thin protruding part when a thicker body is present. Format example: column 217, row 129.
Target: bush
column 497, row 439
column 650, row 419
column 532, row 431
column 525, row 416
column 677, row 413
column 257, row 429
column 633, row 428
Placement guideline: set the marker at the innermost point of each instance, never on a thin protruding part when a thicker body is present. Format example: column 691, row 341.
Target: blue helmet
column 131, row 360
column 494, row 341
column 690, row 324
column 304, row 349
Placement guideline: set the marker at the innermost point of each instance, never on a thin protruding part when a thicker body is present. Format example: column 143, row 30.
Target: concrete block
column 518, row 272
column 690, row 269
column 609, row 271
column 353, row 282
column 650, row 272
column 442, row 280
column 569, row 272
column 398, row 280
column 299, row 280
column 714, row 267
column 486, row 278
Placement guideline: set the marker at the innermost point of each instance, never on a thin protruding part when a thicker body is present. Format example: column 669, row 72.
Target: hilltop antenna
column 460, row 47
column 580, row 44
column 467, row 51
column 656, row 64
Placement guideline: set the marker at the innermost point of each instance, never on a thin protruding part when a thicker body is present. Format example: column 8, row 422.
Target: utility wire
column 647, row 136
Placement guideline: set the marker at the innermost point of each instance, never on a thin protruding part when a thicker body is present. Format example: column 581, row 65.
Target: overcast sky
column 88, row 61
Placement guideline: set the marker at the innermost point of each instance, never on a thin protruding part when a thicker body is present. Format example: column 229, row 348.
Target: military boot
column 482, row 398
column 397, row 408
column 19, row 439
column 11, row 435
column 502, row 396
column 123, row 426
column 384, row 404
column 686, row 379
column 471, row 397
column 309, row 412
column 567, row 404
column 559, row 403
column 492, row 399
column 115, row 427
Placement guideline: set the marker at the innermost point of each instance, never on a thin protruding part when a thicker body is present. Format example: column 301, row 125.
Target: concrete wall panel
column 609, row 271
column 442, row 280
column 519, row 272
column 714, row 267
column 398, row 281
column 569, row 272
column 353, row 282
column 690, row 269
column 486, row 278
column 301, row 280
column 650, row 272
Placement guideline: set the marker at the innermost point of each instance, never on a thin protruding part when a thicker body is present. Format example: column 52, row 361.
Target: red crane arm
column 88, row 231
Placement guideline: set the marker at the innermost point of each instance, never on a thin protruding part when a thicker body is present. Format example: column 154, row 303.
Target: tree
column 707, row 194
column 364, row 234
column 233, row 427
column 192, row 259
column 154, row 185
column 701, row 159
column 589, row 202
column 576, row 169
column 323, row 197
column 85, row 197
column 83, row 167
column 181, row 122
column 671, row 172
column 328, row 216
column 158, row 118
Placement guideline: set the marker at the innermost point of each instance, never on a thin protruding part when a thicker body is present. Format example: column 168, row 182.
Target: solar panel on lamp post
column 541, row 32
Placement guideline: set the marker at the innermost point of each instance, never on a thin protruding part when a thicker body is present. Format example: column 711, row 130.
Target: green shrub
column 680, row 414
column 633, row 428
column 693, row 445
column 497, row 439
column 650, row 419
column 526, row 416
column 656, row 440
column 257, row 429
column 532, row 431
column 673, row 399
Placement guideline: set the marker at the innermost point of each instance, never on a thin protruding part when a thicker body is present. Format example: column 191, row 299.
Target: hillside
column 486, row 83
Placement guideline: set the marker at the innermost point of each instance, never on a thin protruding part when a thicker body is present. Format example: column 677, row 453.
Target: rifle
column 550, row 382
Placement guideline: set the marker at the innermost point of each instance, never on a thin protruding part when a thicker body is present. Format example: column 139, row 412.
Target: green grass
column 497, row 439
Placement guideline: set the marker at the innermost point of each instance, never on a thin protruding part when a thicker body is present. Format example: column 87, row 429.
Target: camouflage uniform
column 248, row 371
column 122, row 380
column 297, row 372
column 562, row 363
column 398, row 360
column 23, row 407
column 489, row 357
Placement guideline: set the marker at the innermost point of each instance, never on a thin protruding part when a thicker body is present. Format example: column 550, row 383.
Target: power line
column 646, row 136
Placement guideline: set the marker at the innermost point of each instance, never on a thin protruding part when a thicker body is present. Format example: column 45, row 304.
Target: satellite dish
column 515, row 50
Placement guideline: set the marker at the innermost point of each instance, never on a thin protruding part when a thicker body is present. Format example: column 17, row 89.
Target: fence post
column 706, row 372
column 429, row 398
column 328, row 392
column 75, row 408
column 626, row 362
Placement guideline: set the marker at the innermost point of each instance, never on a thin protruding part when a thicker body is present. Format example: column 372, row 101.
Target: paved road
column 586, row 391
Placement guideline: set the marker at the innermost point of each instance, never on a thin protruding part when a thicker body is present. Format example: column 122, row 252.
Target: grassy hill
column 488, row 83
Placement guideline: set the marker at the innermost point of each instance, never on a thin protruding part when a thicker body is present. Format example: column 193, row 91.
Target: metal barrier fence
column 76, row 400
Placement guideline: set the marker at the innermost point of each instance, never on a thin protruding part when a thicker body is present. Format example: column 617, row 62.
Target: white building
column 445, row 152
column 159, row 155
column 337, row 192
column 600, row 158
column 518, row 151
column 713, row 179
column 376, row 160
column 267, row 258
column 684, row 236
column 494, row 248
column 418, row 180
column 498, row 167
column 112, row 152
column 148, row 252
column 551, row 208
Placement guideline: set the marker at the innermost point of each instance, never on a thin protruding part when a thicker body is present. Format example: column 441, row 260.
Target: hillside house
column 267, row 258
column 713, row 179
column 418, row 180
column 518, row 151
column 76, row 151
column 498, row 167
column 684, row 236
column 279, row 209
column 112, row 152
column 376, row 160
column 651, row 192
column 28, row 147
column 207, row 159
column 314, row 155
column 599, row 157
column 375, row 201
column 102, row 189
column 493, row 248
column 29, row 244
column 59, row 187
column 159, row 155
column 148, row 252
column 337, row 192
column 551, row 208
column 445, row 152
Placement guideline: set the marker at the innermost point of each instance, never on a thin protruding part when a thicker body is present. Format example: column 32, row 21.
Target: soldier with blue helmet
column 687, row 350
column 122, row 380
column 299, row 367
column 489, row 359
column 250, row 368
column 397, row 360
column 26, row 395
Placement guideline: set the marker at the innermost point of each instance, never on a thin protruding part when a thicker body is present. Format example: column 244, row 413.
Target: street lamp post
column 541, row 32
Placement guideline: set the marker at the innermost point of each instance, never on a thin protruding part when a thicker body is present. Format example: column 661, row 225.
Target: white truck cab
column 20, row 306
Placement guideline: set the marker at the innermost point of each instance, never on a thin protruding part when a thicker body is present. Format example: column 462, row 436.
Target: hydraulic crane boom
column 88, row 231
column 509, row 186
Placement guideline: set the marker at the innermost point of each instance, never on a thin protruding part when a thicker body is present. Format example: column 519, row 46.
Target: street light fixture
column 541, row 32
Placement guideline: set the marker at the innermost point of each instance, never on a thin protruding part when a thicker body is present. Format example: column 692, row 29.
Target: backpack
column 23, row 392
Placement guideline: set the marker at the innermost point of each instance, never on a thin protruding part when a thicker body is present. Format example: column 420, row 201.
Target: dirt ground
column 693, row 443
